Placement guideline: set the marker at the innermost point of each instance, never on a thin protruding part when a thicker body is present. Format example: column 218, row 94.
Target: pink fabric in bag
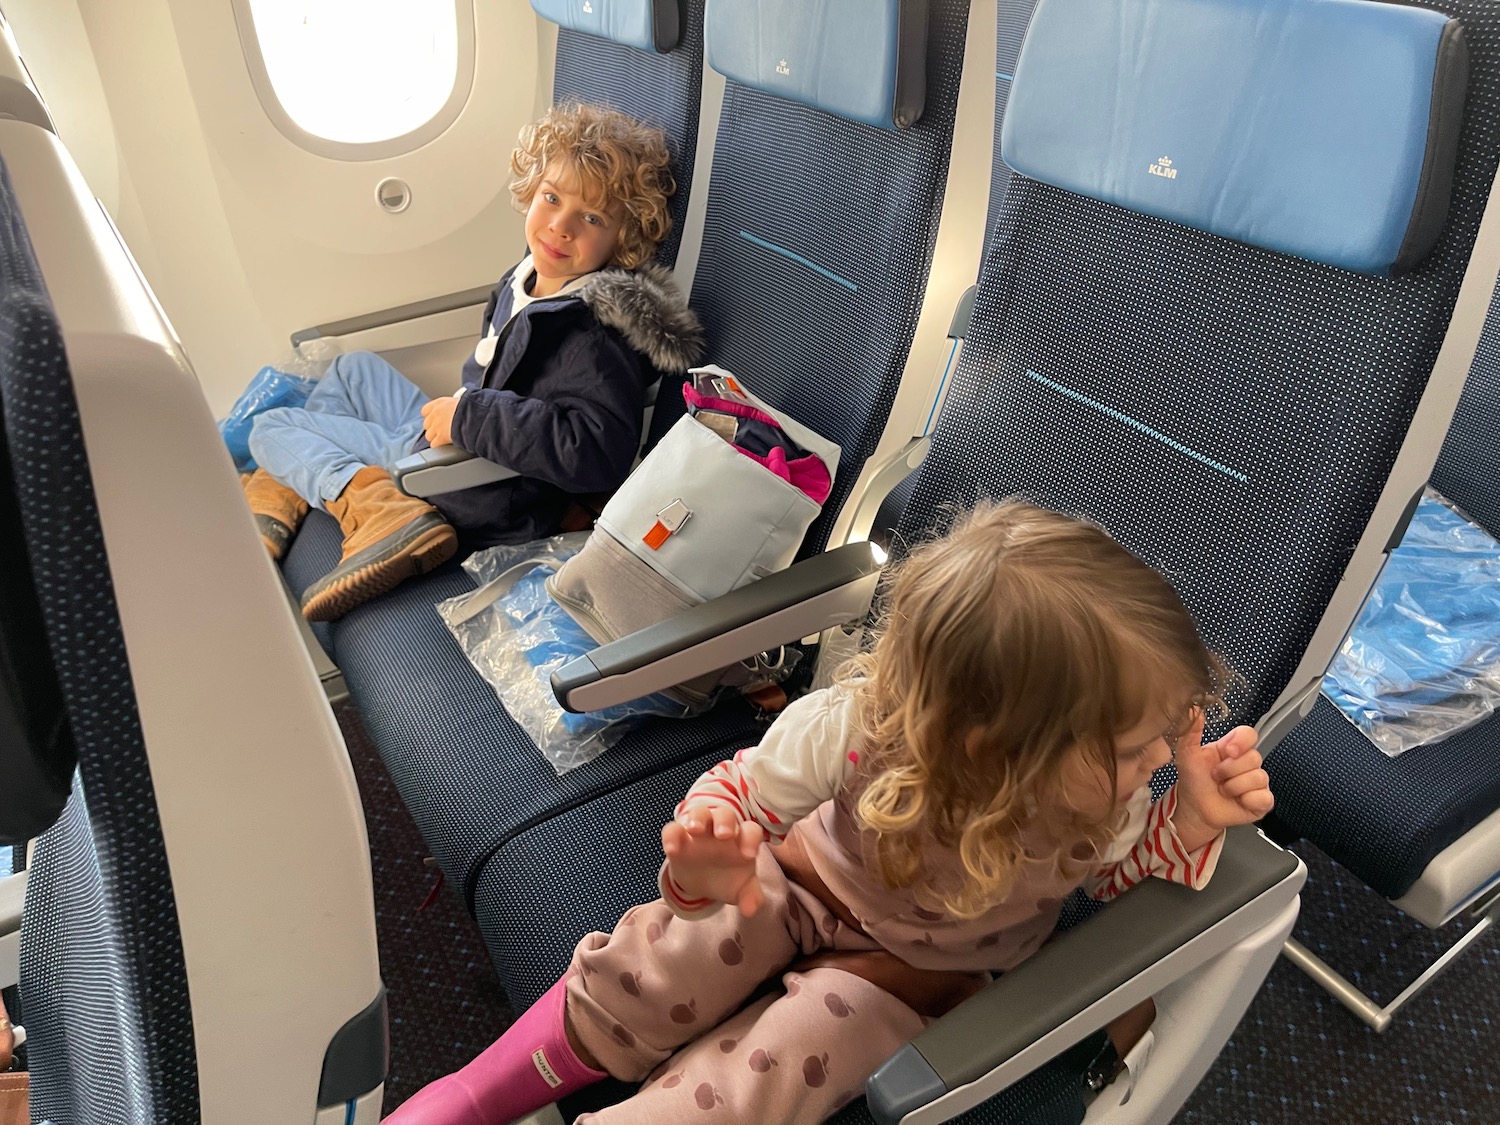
column 808, row 474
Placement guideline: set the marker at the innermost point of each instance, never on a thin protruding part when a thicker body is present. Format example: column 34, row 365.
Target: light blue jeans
column 362, row 412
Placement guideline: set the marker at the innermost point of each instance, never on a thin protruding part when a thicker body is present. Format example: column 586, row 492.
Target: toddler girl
column 927, row 815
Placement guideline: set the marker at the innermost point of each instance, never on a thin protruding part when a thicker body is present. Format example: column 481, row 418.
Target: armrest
column 1152, row 935
column 366, row 321
column 445, row 469
column 814, row 595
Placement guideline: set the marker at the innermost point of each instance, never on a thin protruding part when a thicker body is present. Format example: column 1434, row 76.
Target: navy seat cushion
column 313, row 553
column 1383, row 818
column 470, row 776
column 533, row 909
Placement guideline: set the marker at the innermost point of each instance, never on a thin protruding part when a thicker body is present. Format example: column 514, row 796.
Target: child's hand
column 437, row 420
column 711, row 854
column 1218, row 785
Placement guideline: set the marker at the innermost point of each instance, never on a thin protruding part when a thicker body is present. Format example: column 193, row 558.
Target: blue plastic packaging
column 270, row 388
column 1423, row 660
column 523, row 636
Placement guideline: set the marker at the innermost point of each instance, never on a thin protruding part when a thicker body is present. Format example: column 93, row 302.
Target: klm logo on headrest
column 782, row 68
column 1163, row 168
column 588, row 9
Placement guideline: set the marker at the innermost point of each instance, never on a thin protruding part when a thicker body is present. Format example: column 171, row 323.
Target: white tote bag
column 706, row 511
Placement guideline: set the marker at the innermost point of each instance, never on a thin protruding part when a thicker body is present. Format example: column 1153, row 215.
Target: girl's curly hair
column 1017, row 642
column 624, row 167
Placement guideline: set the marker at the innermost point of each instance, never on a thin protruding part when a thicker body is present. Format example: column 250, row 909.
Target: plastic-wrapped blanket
column 271, row 388
column 287, row 383
column 1423, row 660
column 516, row 636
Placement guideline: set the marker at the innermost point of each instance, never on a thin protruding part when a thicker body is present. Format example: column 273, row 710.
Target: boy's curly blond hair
column 623, row 165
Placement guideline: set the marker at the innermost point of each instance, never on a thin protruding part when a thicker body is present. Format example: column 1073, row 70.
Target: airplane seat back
column 821, row 223
column 663, row 89
column 1241, row 419
column 108, row 1018
column 1010, row 35
column 1166, row 381
column 1422, row 829
column 37, row 756
column 660, row 83
column 1468, row 468
column 160, row 935
column 84, row 982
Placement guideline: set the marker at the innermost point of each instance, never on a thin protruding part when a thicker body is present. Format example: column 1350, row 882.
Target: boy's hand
column 711, row 854
column 1218, row 785
column 437, row 420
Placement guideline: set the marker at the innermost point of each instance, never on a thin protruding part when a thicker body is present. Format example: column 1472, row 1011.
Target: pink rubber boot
column 530, row 1066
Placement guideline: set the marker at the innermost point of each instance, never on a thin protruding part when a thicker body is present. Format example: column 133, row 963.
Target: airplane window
column 360, row 72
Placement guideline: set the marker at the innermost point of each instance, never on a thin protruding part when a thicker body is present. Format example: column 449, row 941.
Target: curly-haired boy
column 571, row 339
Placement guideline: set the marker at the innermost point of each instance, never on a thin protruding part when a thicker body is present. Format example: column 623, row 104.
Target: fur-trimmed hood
column 647, row 308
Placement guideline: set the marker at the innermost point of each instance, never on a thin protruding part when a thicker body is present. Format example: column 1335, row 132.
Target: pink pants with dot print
column 710, row 1011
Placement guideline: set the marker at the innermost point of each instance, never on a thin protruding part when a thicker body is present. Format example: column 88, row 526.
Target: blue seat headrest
column 651, row 25
column 861, row 59
column 1327, row 129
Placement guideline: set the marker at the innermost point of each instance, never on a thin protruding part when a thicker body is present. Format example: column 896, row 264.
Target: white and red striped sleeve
column 801, row 762
column 1148, row 845
column 683, row 904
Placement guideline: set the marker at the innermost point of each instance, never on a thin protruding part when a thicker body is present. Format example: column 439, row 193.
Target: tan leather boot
column 278, row 510
column 388, row 538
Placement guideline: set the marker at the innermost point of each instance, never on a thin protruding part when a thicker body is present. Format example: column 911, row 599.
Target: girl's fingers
column 718, row 820
column 1238, row 742
column 672, row 836
column 1258, row 803
column 1249, row 782
column 726, row 824
column 751, row 837
column 751, row 898
column 1233, row 767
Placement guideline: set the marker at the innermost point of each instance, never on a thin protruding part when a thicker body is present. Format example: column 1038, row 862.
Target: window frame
column 430, row 130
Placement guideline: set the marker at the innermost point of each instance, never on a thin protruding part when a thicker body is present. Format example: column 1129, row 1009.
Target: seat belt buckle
column 668, row 523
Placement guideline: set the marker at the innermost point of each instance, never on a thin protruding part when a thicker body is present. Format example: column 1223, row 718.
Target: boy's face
column 568, row 234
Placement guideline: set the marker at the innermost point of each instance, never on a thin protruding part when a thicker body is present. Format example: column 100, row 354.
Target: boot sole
column 274, row 534
column 424, row 544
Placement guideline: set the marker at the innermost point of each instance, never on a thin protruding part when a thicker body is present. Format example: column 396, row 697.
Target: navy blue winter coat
column 561, row 401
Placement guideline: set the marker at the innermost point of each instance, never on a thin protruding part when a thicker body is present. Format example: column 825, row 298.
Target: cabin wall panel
column 245, row 236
